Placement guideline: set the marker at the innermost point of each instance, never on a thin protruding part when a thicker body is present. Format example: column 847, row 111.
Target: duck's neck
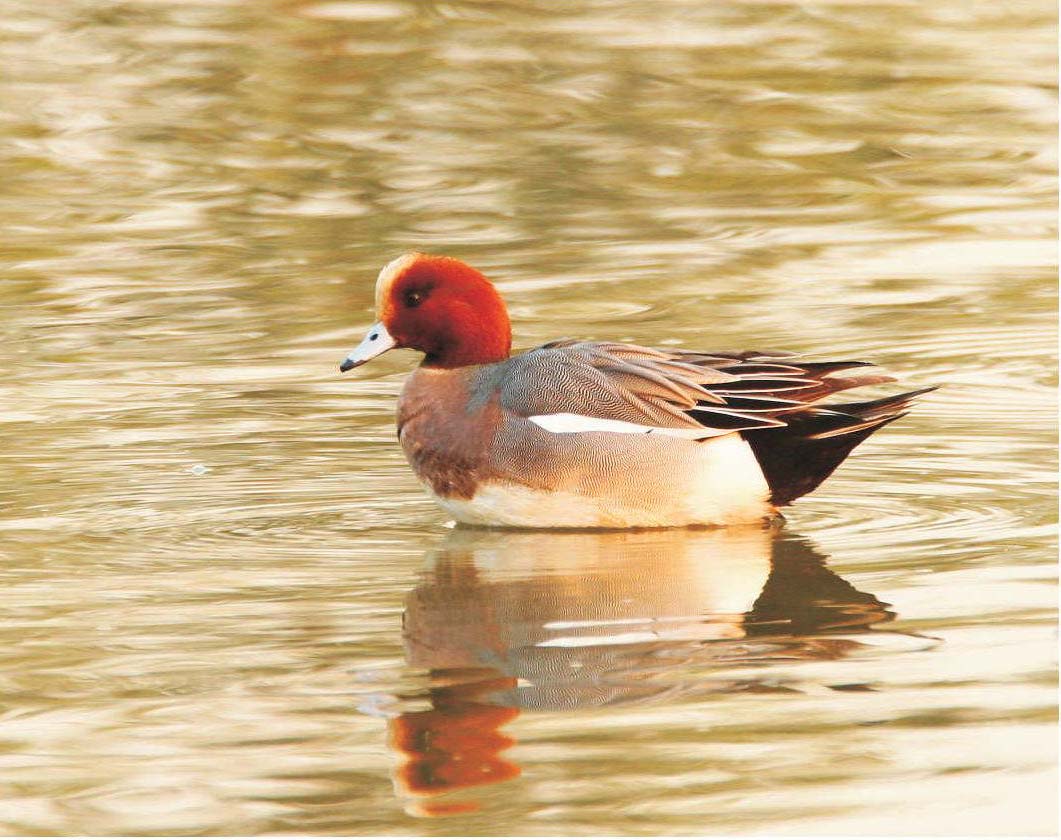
column 471, row 342
column 471, row 333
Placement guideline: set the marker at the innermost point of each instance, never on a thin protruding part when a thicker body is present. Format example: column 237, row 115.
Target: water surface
column 228, row 606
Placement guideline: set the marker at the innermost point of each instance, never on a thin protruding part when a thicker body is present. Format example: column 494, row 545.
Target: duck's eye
column 413, row 299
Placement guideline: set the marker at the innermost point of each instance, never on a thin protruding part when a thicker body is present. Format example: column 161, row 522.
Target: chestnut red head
column 440, row 306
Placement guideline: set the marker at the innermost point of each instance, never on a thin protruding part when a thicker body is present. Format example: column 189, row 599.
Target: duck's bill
column 375, row 343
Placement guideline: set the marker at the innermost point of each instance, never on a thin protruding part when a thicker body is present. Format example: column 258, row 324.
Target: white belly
column 719, row 483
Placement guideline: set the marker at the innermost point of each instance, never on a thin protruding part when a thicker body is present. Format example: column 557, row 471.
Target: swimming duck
column 600, row 434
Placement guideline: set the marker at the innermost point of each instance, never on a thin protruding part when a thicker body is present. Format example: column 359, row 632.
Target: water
column 228, row 608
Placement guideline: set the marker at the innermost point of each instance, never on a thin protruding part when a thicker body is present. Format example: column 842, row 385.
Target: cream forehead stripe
column 389, row 273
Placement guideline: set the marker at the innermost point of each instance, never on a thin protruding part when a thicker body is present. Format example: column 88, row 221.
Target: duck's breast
column 447, row 426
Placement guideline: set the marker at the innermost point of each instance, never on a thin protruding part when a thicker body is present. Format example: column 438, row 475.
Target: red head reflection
column 455, row 744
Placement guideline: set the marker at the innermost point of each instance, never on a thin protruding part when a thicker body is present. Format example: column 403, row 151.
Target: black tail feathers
column 799, row 456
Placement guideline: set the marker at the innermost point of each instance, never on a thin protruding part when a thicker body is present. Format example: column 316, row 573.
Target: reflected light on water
column 209, row 538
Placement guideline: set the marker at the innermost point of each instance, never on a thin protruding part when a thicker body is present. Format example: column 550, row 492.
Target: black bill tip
column 345, row 365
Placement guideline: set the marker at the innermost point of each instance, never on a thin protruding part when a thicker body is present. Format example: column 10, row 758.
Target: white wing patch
column 565, row 424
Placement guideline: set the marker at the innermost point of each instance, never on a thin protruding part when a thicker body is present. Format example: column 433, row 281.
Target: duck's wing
column 570, row 386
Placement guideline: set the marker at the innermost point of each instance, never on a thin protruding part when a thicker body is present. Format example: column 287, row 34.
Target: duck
column 603, row 434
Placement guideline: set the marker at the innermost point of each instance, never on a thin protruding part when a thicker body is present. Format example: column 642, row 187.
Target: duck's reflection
column 505, row 621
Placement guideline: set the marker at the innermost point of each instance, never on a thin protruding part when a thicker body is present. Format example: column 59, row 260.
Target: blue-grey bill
column 375, row 343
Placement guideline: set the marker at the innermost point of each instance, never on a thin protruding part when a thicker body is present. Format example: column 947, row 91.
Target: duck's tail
column 800, row 455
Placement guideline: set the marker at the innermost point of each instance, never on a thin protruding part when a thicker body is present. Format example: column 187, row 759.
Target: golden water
column 228, row 608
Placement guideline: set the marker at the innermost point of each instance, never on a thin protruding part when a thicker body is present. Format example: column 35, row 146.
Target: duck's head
column 440, row 306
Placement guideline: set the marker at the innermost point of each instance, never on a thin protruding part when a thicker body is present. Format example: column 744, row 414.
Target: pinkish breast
column 447, row 438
